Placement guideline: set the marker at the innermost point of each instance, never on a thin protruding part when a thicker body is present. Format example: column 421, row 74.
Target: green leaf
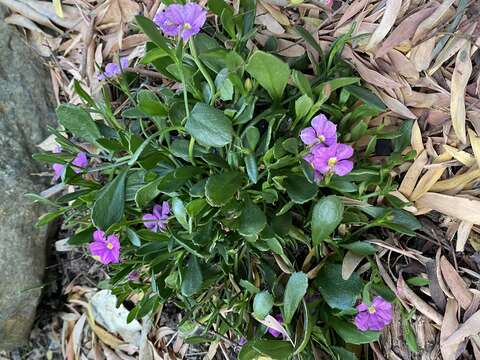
column 192, row 279
column 220, row 188
column 262, row 304
column 367, row 96
column 360, row 248
column 418, row 281
column 150, row 104
column 153, row 32
column 302, row 82
column 327, row 215
column 300, row 189
column 82, row 237
column 78, row 121
column 180, row 212
column 271, row 72
column 338, row 293
column 209, row 126
column 302, row 106
column 294, row 292
column 343, row 354
column 266, row 350
column 252, row 221
column 350, row 334
column 110, row 203
column 252, row 168
column 147, row 193
column 133, row 237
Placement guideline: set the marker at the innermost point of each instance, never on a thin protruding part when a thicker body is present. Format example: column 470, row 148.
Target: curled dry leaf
column 350, row 263
column 392, row 9
column 449, row 325
column 460, row 76
column 407, row 294
column 404, row 31
column 462, row 156
column 430, row 177
column 456, row 284
column 468, row 328
column 413, row 174
column 30, row 13
column 458, row 207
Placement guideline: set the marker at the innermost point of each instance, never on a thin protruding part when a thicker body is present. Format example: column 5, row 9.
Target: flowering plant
column 237, row 194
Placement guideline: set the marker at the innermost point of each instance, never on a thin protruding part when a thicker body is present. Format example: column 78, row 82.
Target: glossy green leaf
column 300, row 189
column 327, row 215
column 294, row 292
column 262, row 304
column 271, row 72
column 150, row 104
column 180, row 213
column 252, row 221
column 78, row 121
column 351, row 335
column 110, row 203
column 338, row 293
column 209, row 126
column 266, row 349
column 220, row 188
column 192, row 277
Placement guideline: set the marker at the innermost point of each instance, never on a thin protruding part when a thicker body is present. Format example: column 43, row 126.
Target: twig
column 149, row 73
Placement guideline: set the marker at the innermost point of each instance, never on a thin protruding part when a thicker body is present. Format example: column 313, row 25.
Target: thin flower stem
column 204, row 71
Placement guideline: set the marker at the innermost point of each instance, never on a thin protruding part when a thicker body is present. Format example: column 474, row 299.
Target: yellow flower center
column 321, row 138
column 332, row 161
column 372, row 310
column 96, row 257
column 187, row 26
column 110, row 245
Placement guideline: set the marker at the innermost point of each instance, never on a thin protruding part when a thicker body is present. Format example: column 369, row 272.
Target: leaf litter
column 419, row 56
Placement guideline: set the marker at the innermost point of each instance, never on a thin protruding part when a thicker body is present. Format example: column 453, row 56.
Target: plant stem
column 204, row 71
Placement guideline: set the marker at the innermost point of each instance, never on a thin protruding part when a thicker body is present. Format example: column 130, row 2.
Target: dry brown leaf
column 449, row 325
column 403, row 65
column 407, row 294
column 460, row 76
column 30, row 13
column 457, row 42
column 463, row 233
column 350, row 263
column 392, row 9
column 71, row 20
column 458, row 207
column 468, row 328
column 404, row 30
column 421, row 55
column 411, row 177
column 416, row 139
column 266, row 19
column 457, row 286
column 457, row 182
column 396, row 106
column 430, row 178
column 352, row 10
column 433, row 20
column 404, row 199
column 277, row 14
column 22, row 21
column 460, row 155
column 475, row 143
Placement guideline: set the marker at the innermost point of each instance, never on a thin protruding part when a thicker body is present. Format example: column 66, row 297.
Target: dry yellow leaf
column 411, row 177
column 57, row 4
column 458, row 181
column 456, row 284
column 475, row 143
column 462, row 156
column 466, row 209
column 416, row 139
column 449, row 325
column 430, row 177
column 463, row 233
column 460, row 76
column 421, row 55
column 277, row 14
column 350, row 263
column 392, row 9
column 467, row 329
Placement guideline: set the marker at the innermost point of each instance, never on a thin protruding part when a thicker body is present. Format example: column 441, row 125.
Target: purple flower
column 133, row 276
column 317, row 175
column 332, row 159
column 242, row 341
column 322, row 132
column 374, row 317
column 114, row 69
column 272, row 331
column 105, row 249
column 184, row 20
column 80, row 161
column 157, row 221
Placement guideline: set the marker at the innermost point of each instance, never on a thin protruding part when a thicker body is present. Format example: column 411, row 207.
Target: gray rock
column 26, row 107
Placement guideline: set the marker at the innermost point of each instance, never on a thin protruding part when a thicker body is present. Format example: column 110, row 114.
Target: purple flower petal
column 80, row 160
column 124, row 62
column 58, row 170
column 184, row 20
column 150, row 222
column 157, row 211
column 165, row 209
column 343, row 167
column 362, row 321
column 318, row 123
column 99, row 235
column 308, row 136
column 344, row 151
column 374, row 317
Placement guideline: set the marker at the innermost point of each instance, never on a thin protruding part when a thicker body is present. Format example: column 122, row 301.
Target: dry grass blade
column 460, row 76
column 457, row 182
column 449, row 325
column 411, row 177
column 407, row 294
column 462, row 208
column 463, row 233
column 457, row 286
column 392, row 8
